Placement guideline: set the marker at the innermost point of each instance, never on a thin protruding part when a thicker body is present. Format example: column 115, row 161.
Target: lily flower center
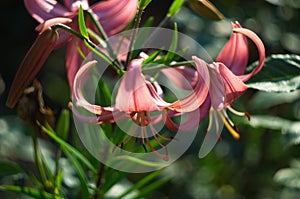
column 144, row 122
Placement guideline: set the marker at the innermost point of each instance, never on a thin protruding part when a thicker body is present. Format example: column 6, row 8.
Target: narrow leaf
column 150, row 188
column 81, row 23
column 67, row 147
column 27, row 191
column 80, row 171
column 175, row 7
column 141, row 183
column 281, row 73
column 171, row 52
column 143, row 4
column 7, row 168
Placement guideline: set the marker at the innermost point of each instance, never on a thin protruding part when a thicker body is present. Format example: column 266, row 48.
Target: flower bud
column 31, row 64
column 206, row 9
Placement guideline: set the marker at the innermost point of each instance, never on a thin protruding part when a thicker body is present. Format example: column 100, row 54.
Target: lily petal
column 133, row 94
column 235, row 53
column 79, row 82
column 184, row 77
column 261, row 51
column 200, row 92
column 114, row 15
column 31, row 64
column 50, row 22
column 42, row 10
column 225, row 87
column 192, row 118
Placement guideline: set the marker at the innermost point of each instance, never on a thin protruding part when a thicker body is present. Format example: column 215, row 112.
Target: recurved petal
column 260, row 48
column 200, row 91
column 235, row 53
column 42, row 10
column 31, row 64
column 225, row 87
column 79, row 82
column 133, row 94
column 50, row 22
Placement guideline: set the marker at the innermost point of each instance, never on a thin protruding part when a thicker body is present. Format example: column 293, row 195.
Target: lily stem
column 90, row 45
column 135, row 27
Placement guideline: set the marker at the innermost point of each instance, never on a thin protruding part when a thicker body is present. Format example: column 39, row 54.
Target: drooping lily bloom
column 137, row 96
column 113, row 15
column 228, row 85
column 226, row 78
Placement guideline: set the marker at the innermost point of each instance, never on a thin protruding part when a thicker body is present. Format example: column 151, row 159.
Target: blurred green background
column 247, row 168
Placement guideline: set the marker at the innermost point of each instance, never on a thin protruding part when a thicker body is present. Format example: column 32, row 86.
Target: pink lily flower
column 226, row 81
column 137, row 96
column 113, row 15
column 235, row 55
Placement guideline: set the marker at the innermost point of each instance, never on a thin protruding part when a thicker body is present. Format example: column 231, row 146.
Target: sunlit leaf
column 81, row 23
column 206, row 9
column 281, row 73
column 143, row 4
column 265, row 100
column 289, row 177
column 290, row 129
column 175, row 7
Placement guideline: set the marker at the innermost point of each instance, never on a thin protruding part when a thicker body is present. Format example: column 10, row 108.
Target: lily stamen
column 238, row 112
column 232, row 129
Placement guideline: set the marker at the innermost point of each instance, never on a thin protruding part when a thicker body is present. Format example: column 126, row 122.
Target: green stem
column 103, row 35
column 162, row 66
column 90, row 45
column 136, row 25
column 38, row 160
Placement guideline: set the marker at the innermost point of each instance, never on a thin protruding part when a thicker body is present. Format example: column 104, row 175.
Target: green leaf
column 103, row 94
column 81, row 173
column 67, row 147
column 27, row 191
column 291, row 134
column 63, row 124
column 281, row 73
column 175, row 7
column 289, row 177
column 81, row 23
column 206, row 9
column 152, row 57
column 290, row 129
column 150, row 188
column 143, row 4
column 141, row 183
column 171, row 52
column 266, row 100
column 7, row 168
